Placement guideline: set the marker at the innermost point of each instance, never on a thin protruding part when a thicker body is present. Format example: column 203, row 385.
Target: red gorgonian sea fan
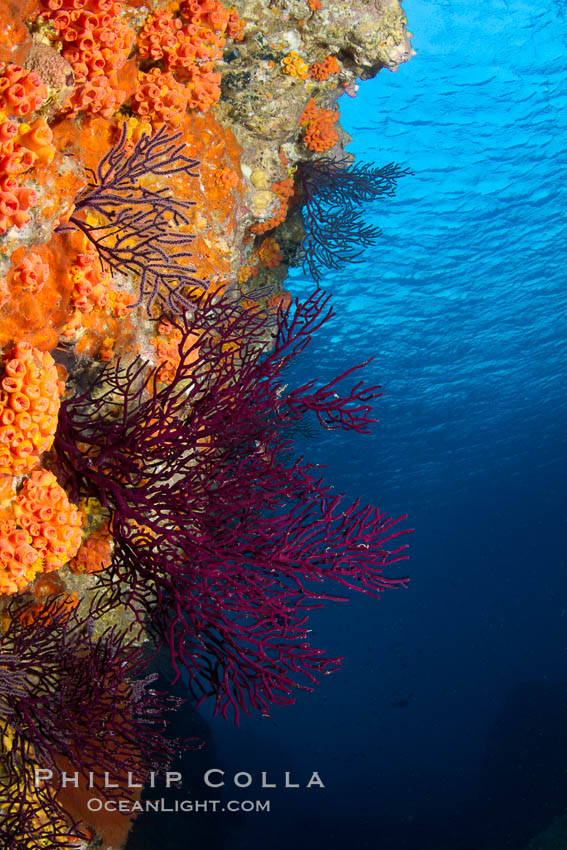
column 226, row 540
column 71, row 700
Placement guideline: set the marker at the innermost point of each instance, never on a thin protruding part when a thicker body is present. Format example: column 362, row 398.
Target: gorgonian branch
column 137, row 230
column 332, row 192
column 73, row 696
column 226, row 543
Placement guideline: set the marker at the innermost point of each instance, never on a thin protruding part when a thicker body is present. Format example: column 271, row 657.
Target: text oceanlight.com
column 96, row 804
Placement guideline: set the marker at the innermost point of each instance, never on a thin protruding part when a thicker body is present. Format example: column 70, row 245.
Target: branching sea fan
column 70, row 699
column 136, row 229
column 332, row 193
column 226, row 541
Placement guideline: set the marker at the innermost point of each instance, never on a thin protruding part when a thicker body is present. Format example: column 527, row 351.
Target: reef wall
column 162, row 165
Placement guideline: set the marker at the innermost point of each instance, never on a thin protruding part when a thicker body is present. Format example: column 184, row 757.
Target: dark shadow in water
column 524, row 777
column 177, row 830
column 521, row 788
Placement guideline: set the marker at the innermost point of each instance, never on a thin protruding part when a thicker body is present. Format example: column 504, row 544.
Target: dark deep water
column 445, row 729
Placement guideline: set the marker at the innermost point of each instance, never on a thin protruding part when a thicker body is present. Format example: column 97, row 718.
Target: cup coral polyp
column 320, row 133
column 96, row 43
column 21, row 91
column 54, row 524
column 321, row 71
column 29, row 403
column 189, row 50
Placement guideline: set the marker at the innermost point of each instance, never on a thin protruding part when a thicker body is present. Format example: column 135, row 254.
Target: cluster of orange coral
column 97, row 41
column 160, row 37
column 31, row 274
column 42, row 507
column 95, row 552
column 160, row 98
column 189, row 45
column 168, row 350
column 19, row 562
column 21, row 91
column 93, row 288
column 39, row 532
column 321, row 71
column 210, row 15
column 27, row 276
column 40, row 529
column 268, row 256
column 29, row 405
column 294, row 66
column 93, row 293
column 38, row 291
column 284, row 189
column 22, row 145
column 320, row 133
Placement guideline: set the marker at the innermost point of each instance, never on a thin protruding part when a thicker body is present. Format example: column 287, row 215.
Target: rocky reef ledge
column 162, row 165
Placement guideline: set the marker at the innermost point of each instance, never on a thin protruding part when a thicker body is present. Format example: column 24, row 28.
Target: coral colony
column 161, row 166
column 143, row 230
column 223, row 541
column 332, row 194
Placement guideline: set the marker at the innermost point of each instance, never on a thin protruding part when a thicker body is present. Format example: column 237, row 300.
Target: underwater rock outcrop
column 161, row 166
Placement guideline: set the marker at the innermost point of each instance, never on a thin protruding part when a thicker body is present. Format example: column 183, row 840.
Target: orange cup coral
column 320, row 134
column 21, row 91
column 321, row 71
column 95, row 552
column 96, row 43
column 22, row 145
column 39, row 532
column 19, row 561
column 43, row 509
column 294, row 66
column 30, row 274
column 29, row 404
column 189, row 50
column 160, row 98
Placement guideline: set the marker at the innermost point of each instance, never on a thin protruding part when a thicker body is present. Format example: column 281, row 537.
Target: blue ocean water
column 446, row 726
